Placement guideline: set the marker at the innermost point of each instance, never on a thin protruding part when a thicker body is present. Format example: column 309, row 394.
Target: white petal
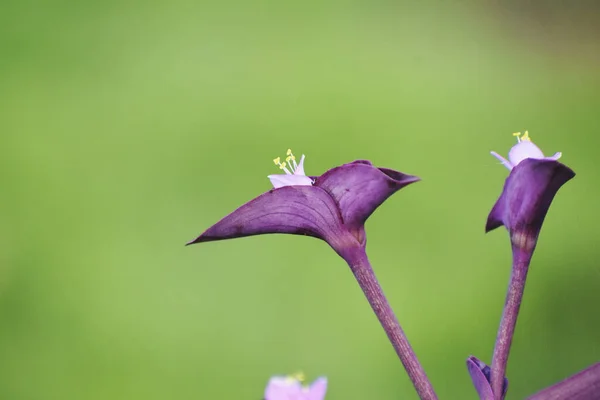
column 556, row 156
column 300, row 168
column 503, row 160
column 522, row 150
column 281, row 180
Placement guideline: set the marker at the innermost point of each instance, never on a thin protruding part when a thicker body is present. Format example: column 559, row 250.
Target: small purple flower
column 480, row 376
column 528, row 191
column 292, row 388
column 332, row 207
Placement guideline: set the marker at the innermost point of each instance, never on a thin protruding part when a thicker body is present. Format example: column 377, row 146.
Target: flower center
column 524, row 138
column 289, row 166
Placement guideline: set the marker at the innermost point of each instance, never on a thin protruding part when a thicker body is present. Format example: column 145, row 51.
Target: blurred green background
column 129, row 127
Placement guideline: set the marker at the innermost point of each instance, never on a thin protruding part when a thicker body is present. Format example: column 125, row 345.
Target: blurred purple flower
column 292, row 388
column 480, row 376
column 522, row 206
column 332, row 207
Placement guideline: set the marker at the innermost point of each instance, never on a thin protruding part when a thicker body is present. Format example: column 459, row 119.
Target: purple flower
column 332, row 207
column 292, row 388
column 480, row 376
column 528, row 191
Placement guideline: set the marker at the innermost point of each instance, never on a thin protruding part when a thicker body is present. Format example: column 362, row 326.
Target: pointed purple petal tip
column 197, row 240
column 495, row 217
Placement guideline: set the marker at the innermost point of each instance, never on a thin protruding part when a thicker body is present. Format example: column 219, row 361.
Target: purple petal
column 480, row 376
column 288, row 388
column 318, row 389
column 527, row 195
column 283, row 388
column 359, row 188
column 299, row 210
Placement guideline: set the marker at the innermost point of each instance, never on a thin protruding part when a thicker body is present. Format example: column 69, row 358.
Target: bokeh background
column 129, row 127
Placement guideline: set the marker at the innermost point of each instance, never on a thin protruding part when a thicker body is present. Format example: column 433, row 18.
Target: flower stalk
column 363, row 272
column 508, row 323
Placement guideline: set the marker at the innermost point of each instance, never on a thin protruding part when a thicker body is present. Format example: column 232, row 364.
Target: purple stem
column 361, row 268
column 584, row 385
column 516, row 286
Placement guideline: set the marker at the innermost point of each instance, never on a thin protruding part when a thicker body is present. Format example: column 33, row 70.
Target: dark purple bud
column 333, row 209
column 480, row 376
column 525, row 200
column 584, row 385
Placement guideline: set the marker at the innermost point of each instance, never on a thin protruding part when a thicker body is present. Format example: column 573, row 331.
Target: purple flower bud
column 292, row 388
column 480, row 376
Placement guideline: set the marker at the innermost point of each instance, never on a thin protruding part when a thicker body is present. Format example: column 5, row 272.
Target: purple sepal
column 480, row 376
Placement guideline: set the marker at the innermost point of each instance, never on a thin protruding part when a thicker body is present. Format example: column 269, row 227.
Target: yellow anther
column 517, row 134
column 526, row 136
column 290, row 156
column 290, row 162
column 298, row 376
